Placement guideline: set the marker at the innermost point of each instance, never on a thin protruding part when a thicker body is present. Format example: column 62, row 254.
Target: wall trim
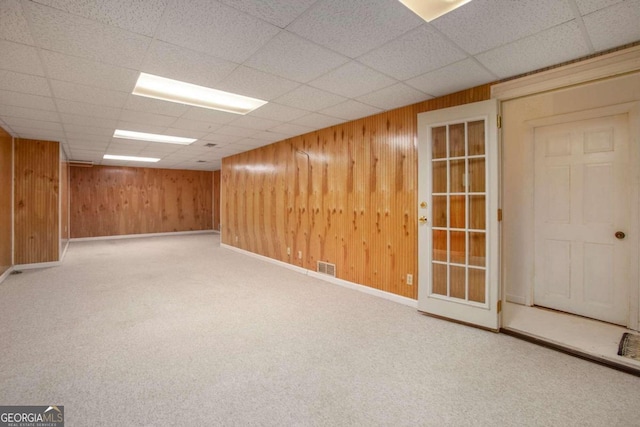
column 517, row 299
column 344, row 283
column 64, row 250
column 37, row 265
column 601, row 67
column 6, row 274
column 135, row 236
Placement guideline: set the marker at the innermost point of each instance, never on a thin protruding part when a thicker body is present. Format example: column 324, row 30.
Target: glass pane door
column 459, row 212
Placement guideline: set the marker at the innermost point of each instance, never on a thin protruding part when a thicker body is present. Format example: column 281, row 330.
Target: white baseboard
column 355, row 286
column 37, row 265
column 6, row 274
column 517, row 299
column 135, row 236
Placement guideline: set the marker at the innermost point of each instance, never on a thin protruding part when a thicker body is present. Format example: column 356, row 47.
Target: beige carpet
column 178, row 331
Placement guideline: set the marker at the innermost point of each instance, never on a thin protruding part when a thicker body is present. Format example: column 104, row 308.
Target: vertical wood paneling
column 6, row 226
column 110, row 201
column 216, row 200
column 344, row 195
column 37, row 165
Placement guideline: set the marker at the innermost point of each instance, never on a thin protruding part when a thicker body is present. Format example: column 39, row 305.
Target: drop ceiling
column 68, row 67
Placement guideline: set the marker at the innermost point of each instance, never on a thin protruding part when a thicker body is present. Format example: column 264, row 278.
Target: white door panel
column 581, row 200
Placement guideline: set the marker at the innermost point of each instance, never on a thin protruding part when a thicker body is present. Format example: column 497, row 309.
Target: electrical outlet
column 409, row 279
column 299, row 254
column 288, row 251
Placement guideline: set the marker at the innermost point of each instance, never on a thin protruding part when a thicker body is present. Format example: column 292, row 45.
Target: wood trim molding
column 605, row 66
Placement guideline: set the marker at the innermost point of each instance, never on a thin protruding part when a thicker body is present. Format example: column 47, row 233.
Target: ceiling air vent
column 209, row 145
column 326, row 268
column 80, row 163
column 202, row 161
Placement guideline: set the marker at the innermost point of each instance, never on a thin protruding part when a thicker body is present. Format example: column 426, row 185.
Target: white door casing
column 458, row 237
column 582, row 199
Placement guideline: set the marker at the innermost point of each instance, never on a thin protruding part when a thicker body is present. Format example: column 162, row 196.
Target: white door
column 458, row 201
column 582, row 203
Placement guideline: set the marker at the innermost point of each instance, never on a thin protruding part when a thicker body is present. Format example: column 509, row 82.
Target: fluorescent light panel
column 130, row 158
column 432, row 9
column 158, row 87
column 152, row 137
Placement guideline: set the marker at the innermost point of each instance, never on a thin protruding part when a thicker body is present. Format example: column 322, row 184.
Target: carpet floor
column 179, row 331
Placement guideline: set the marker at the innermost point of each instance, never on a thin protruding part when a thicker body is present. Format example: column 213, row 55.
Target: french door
column 458, row 214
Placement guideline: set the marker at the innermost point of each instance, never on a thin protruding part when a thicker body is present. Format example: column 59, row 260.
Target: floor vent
column 326, row 268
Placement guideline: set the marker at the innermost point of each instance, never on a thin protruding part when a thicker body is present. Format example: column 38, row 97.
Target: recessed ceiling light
column 158, row 87
column 152, row 137
column 432, row 9
column 130, row 158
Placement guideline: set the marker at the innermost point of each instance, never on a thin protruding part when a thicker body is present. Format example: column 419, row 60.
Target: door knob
column 620, row 235
column 422, row 220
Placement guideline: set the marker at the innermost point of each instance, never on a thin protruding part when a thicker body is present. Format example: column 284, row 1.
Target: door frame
column 606, row 68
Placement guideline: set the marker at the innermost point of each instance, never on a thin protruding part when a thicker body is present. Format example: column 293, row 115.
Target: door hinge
column 499, row 305
column 499, row 214
column 499, row 121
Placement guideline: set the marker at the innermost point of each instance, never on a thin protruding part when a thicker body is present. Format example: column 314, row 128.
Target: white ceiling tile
column 187, row 124
column 28, row 113
column 186, row 133
column 352, row 79
column 155, row 106
column 587, row 6
column 27, row 101
column 278, row 112
column 257, row 123
column 292, row 129
column 27, row 122
column 88, row 72
column 214, row 28
column 100, row 122
column 270, row 136
column 137, row 16
column 485, row 24
column 36, row 133
column 394, row 96
column 310, row 99
column 255, row 83
column 87, row 138
column 20, row 58
column 354, row 27
column 351, row 110
column 236, row 131
column 87, row 145
column 452, row 78
column 549, row 47
column 89, row 130
column 84, row 109
column 209, row 115
column 294, row 58
column 61, row 32
column 416, row 52
column 251, row 143
column 277, row 12
column 146, row 118
column 317, row 121
column 25, row 83
column 14, row 25
column 179, row 63
column 87, row 94
column 221, row 139
column 140, row 127
column 614, row 26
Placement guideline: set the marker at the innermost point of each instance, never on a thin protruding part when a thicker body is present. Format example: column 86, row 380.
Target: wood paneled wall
column 36, row 206
column 216, row 200
column 344, row 195
column 6, row 222
column 110, row 201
